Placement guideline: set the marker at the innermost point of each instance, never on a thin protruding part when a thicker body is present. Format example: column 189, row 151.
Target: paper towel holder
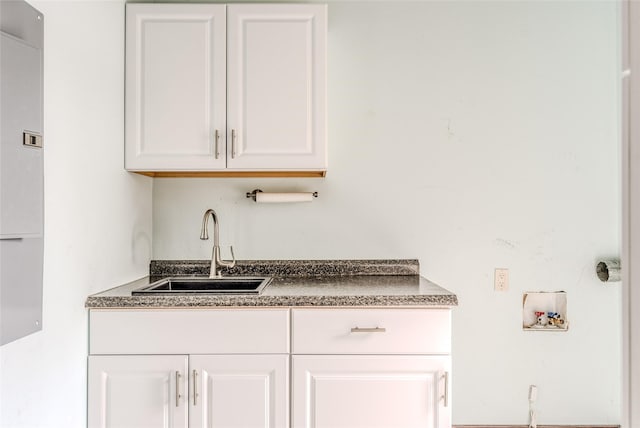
column 253, row 194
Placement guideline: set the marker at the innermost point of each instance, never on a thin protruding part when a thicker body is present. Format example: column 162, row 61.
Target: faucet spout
column 204, row 232
column 216, row 259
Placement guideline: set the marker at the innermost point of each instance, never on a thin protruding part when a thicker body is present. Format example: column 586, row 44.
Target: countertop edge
column 124, row 302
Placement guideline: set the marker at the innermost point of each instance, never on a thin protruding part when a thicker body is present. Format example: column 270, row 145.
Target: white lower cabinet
column 369, row 391
column 137, row 391
column 196, row 368
column 257, row 368
column 371, row 368
column 242, row 391
column 175, row 391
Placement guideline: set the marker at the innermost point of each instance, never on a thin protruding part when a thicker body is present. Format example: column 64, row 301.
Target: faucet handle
column 233, row 258
column 226, row 263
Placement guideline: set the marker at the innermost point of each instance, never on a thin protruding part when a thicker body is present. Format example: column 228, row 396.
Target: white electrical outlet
column 501, row 279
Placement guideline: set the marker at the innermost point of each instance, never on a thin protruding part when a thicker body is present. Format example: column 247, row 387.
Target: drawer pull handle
column 195, row 387
column 368, row 330
column 216, row 138
column 445, row 377
column 233, row 144
column 178, row 396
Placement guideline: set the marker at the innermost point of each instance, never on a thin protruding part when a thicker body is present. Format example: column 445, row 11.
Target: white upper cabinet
column 175, row 86
column 276, row 85
column 214, row 88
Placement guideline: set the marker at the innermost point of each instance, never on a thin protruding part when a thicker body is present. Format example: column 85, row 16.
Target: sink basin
column 193, row 286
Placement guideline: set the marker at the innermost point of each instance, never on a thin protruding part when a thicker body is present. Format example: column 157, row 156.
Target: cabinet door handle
column 368, row 330
column 216, row 137
column 445, row 377
column 233, row 144
column 178, row 389
column 195, row 387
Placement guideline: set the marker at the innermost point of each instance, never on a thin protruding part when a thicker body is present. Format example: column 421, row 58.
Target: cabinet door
column 175, row 86
column 243, row 391
column 133, row 391
column 371, row 391
column 276, row 86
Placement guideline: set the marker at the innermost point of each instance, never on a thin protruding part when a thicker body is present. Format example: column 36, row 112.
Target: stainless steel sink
column 193, row 286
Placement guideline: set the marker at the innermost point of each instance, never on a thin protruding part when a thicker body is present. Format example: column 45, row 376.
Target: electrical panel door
column 21, row 170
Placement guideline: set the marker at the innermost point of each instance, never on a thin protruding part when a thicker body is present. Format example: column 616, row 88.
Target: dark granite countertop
column 296, row 283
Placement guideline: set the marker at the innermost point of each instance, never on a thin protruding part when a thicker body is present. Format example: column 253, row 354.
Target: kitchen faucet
column 216, row 261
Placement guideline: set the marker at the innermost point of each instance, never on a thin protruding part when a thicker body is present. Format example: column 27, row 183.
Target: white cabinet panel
column 352, row 391
column 138, row 391
column 371, row 331
column 189, row 331
column 175, row 86
column 277, row 86
column 240, row 391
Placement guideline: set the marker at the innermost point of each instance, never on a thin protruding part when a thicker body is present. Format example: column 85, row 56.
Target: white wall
column 468, row 135
column 471, row 135
column 97, row 217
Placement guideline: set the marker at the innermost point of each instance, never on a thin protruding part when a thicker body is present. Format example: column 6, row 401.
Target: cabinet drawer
column 191, row 331
column 371, row 331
